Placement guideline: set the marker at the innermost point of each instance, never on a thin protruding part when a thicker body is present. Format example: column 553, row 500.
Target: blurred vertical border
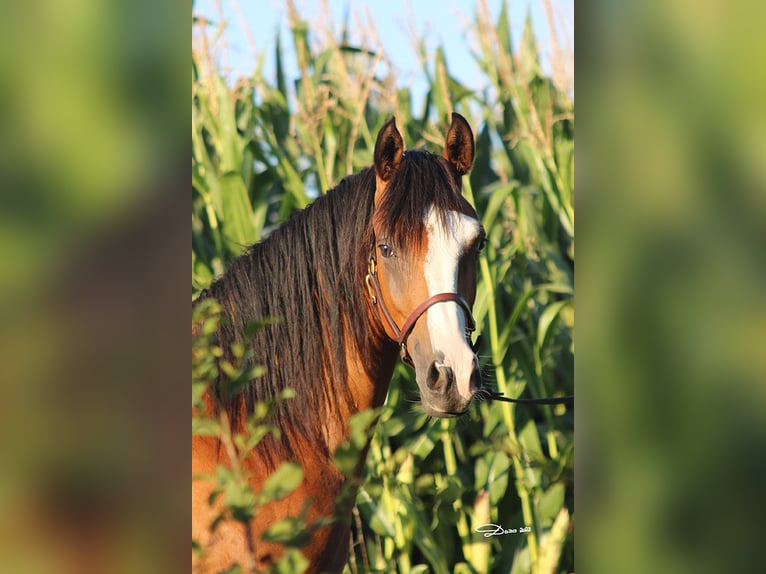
column 671, row 369
column 93, row 286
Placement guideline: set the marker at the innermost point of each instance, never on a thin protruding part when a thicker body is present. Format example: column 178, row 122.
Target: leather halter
column 373, row 289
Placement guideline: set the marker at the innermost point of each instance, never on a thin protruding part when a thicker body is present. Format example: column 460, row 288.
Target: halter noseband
column 373, row 289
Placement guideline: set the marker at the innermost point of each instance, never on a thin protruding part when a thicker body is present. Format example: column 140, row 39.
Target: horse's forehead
column 451, row 229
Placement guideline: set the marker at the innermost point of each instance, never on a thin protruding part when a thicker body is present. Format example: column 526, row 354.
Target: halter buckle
column 370, row 290
column 368, row 280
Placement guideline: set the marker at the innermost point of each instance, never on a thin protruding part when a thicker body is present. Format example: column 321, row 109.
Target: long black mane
column 308, row 275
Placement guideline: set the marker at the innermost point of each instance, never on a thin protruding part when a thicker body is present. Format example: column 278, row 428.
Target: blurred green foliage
column 93, row 122
column 673, row 283
column 263, row 148
column 89, row 118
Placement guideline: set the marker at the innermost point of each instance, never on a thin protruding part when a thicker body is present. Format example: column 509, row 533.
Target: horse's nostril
column 440, row 377
column 475, row 383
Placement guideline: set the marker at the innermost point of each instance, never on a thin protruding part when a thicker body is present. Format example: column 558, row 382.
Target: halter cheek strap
column 401, row 335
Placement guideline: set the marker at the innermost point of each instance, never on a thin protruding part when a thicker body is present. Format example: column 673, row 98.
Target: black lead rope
column 493, row 395
column 567, row 400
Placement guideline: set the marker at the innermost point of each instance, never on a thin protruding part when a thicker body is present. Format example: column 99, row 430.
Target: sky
column 440, row 22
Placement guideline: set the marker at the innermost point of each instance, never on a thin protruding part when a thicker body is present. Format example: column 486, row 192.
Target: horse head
column 422, row 269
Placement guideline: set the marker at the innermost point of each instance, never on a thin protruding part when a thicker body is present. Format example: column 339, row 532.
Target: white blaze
column 446, row 321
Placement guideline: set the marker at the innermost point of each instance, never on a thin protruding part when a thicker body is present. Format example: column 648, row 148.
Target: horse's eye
column 481, row 244
column 385, row 250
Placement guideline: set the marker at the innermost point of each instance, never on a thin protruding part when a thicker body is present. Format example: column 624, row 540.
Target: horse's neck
column 370, row 392
column 368, row 383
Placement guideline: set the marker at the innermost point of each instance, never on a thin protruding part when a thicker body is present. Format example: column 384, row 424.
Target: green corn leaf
column 379, row 520
column 547, row 321
column 289, row 531
column 239, row 223
column 552, row 542
column 504, row 30
column 425, row 541
column 282, row 482
column 230, row 144
column 292, row 562
column 550, row 504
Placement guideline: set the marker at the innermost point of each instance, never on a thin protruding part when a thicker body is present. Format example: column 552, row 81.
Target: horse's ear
column 459, row 145
column 389, row 149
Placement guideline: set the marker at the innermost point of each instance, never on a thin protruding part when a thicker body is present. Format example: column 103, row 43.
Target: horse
column 382, row 265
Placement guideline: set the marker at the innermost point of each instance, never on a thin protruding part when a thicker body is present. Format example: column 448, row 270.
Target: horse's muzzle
column 440, row 396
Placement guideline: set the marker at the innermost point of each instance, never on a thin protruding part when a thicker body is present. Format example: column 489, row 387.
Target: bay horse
column 383, row 264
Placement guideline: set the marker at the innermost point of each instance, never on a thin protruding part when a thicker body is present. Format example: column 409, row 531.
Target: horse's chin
column 438, row 412
column 443, row 405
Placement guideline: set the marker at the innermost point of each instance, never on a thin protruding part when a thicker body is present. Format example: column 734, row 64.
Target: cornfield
column 263, row 148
